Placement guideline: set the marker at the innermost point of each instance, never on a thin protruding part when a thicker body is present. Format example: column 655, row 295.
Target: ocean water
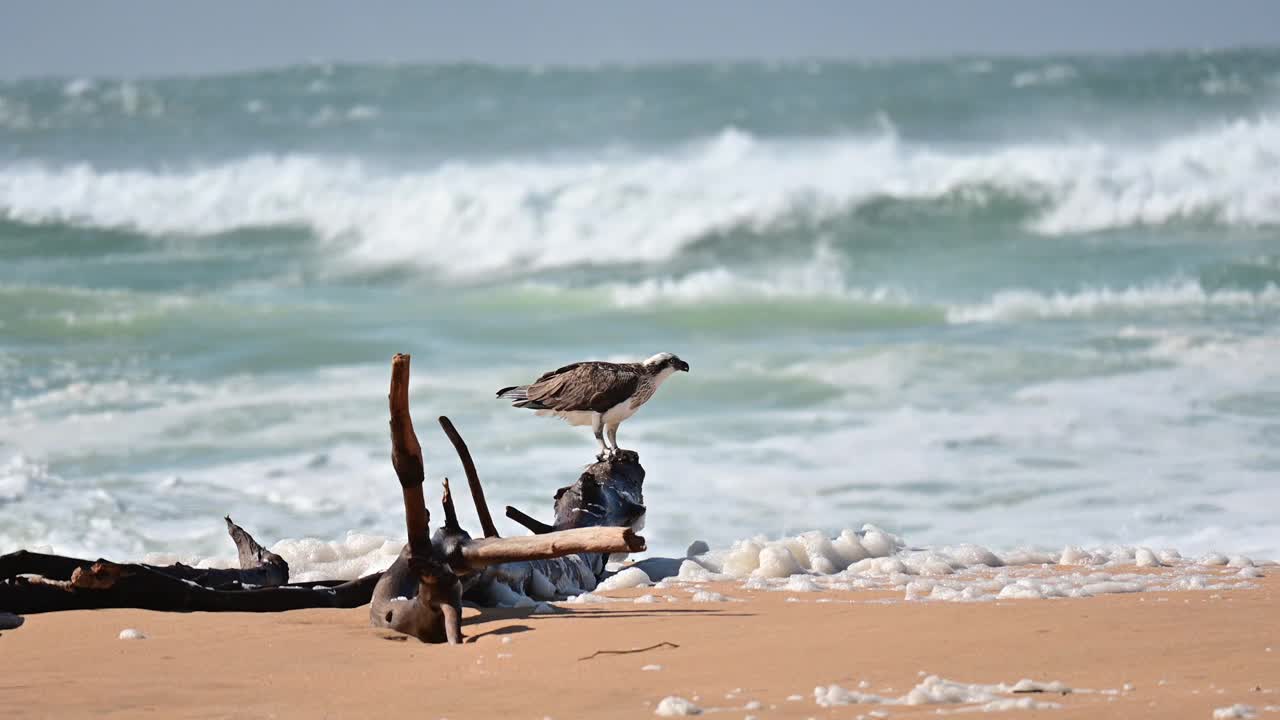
column 1019, row 303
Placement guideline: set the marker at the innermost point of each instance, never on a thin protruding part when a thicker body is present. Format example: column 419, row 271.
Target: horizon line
column 640, row 64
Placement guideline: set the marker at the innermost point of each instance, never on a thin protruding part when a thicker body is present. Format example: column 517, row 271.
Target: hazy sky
column 132, row 37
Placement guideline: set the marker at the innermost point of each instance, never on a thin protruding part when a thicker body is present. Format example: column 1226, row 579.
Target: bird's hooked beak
column 682, row 365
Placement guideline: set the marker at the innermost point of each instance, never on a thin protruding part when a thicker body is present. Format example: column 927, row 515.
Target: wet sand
column 1142, row 655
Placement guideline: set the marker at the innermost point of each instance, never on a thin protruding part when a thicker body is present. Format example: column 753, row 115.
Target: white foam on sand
column 675, row 706
column 934, row 690
column 1239, row 710
column 866, row 559
column 707, row 596
column 872, row 558
column 588, row 598
column 628, row 578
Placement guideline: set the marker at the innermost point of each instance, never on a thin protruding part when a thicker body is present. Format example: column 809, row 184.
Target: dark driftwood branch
column 473, row 478
column 421, row 563
column 258, row 566
column 275, row 571
column 257, row 586
column 406, row 456
column 608, row 493
column 450, row 512
column 23, row 562
column 110, row 585
column 534, row 525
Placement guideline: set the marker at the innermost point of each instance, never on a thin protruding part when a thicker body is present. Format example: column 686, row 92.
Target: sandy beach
column 1179, row 654
column 834, row 360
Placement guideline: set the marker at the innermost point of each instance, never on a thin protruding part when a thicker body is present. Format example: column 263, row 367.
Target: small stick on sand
column 631, row 651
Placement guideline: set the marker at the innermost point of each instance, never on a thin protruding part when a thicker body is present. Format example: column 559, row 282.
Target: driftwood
column 609, row 493
column 420, row 594
column 473, row 478
column 34, row 582
column 258, row 566
column 113, row 585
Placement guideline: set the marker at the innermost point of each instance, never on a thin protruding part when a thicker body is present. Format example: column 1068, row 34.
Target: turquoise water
column 1011, row 302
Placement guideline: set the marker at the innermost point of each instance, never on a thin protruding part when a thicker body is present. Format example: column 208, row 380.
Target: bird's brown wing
column 586, row 386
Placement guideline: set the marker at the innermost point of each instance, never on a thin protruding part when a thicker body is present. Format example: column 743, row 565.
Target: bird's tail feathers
column 515, row 392
column 519, row 397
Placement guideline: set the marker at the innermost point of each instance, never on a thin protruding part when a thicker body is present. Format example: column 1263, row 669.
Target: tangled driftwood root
column 421, row 593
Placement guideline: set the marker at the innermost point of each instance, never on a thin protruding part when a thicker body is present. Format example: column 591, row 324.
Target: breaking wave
column 821, row 278
column 1027, row 304
column 538, row 213
column 820, row 282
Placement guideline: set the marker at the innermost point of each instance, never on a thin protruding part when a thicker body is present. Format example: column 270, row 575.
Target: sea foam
column 16, row 474
column 871, row 558
column 935, row 690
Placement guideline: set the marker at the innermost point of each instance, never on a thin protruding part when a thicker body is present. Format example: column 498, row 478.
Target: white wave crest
column 820, row 278
column 1028, row 304
column 530, row 214
column 1056, row 74
column 1230, row 175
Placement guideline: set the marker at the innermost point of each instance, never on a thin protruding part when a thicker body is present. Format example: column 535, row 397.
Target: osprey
column 599, row 394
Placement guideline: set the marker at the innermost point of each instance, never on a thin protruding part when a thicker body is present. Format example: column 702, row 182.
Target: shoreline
column 1150, row 654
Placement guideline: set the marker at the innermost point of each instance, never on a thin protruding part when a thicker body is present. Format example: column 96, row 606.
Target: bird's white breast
column 573, row 417
column 620, row 412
